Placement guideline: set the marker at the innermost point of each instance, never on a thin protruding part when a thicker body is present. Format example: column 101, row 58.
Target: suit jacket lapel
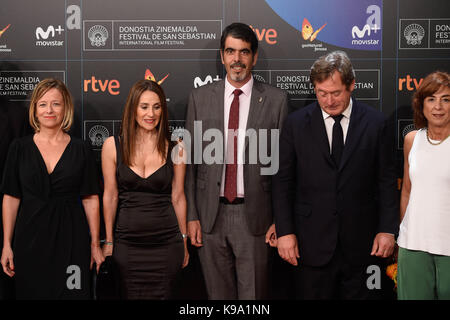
column 320, row 133
column 219, row 93
column 355, row 130
column 257, row 102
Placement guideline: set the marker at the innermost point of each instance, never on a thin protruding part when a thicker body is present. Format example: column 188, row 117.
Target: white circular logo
column 414, row 34
column 98, row 35
column 408, row 129
column 259, row 78
column 98, row 135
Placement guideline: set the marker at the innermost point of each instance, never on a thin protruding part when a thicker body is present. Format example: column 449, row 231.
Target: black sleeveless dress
column 148, row 246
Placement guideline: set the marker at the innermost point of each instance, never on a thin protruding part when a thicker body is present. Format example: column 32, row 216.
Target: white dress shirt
column 345, row 121
column 244, row 107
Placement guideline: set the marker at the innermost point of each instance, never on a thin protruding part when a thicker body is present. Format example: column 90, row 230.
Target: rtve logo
column 94, row 85
column 411, row 84
column 269, row 35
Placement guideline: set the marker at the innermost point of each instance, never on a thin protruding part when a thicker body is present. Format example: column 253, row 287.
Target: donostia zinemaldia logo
column 98, row 35
column 98, row 135
column 408, row 129
column 414, row 34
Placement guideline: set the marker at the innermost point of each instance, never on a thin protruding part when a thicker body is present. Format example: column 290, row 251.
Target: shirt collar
column 346, row 113
column 246, row 88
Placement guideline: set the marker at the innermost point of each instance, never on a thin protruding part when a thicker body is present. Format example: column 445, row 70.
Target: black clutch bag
column 106, row 284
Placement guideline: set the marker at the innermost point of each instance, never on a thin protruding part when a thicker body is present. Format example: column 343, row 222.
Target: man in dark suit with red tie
column 334, row 197
column 229, row 200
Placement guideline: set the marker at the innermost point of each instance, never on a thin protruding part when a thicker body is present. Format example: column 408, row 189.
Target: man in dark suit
column 334, row 196
column 13, row 124
column 229, row 205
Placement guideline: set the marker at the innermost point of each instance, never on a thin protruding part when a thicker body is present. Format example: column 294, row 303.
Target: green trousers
column 422, row 275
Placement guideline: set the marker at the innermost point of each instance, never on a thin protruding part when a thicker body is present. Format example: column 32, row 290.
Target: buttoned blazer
column 268, row 109
column 324, row 205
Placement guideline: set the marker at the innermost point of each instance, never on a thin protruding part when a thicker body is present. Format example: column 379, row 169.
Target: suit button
column 218, row 183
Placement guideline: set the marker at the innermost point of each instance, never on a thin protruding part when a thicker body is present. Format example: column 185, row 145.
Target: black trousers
column 337, row 280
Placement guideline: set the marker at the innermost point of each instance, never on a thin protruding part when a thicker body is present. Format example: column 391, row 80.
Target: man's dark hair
column 241, row 31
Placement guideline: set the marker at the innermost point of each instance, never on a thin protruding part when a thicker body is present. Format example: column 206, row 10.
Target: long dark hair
column 129, row 125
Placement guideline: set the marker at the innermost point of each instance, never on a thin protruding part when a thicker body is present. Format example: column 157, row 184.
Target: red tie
column 231, row 168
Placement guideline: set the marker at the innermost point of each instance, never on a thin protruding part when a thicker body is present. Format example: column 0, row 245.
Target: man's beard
column 242, row 75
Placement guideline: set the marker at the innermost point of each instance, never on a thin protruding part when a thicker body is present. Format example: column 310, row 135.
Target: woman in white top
column 424, row 238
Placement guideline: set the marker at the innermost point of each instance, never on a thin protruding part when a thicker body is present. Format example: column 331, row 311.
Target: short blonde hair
column 39, row 91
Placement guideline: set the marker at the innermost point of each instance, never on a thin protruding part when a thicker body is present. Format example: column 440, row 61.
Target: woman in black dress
column 146, row 189
column 47, row 247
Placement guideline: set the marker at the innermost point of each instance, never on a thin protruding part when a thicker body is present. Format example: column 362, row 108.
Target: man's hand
column 288, row 248
column 271, row 236
column 383, row 245
column 195, row 233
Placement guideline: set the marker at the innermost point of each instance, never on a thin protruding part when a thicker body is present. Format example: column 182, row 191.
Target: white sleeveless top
column 426, row 224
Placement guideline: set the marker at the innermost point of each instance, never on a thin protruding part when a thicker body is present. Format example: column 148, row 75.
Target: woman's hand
column 107, row 249
column 186, row 254
column 96, row 256
column 8, row 261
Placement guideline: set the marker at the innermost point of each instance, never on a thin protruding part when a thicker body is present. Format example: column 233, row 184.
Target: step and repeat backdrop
column 100, row 48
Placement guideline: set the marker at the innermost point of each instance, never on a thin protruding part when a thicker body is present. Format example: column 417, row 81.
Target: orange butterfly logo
column 4, row 29
column 308, row 31
column 149, row 76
